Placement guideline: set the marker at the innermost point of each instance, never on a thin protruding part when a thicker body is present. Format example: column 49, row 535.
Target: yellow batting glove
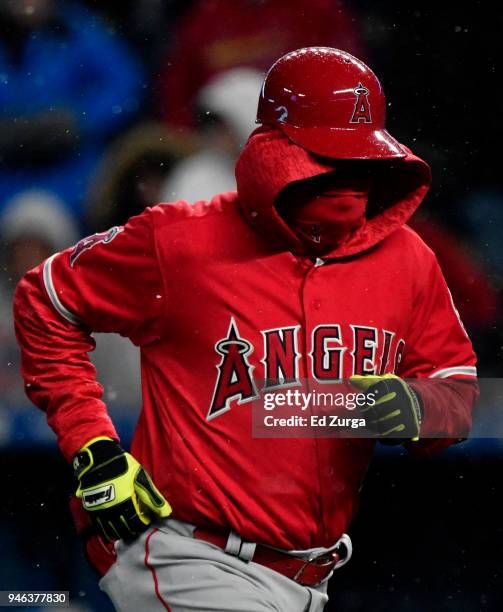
column 116, row 490
column 393, row 410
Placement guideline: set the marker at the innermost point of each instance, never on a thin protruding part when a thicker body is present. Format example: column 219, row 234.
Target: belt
column 307, row 572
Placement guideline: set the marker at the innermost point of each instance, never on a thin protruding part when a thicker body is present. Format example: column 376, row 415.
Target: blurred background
column 108, row 107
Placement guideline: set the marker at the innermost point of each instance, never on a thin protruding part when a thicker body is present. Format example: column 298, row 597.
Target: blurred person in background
column 227, row 109
column 219, row 35
column 32, row 226
column 66, row 85
column 131, row 174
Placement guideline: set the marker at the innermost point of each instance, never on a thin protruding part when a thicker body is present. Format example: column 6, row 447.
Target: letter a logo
column 362, row 106
column 234, row 373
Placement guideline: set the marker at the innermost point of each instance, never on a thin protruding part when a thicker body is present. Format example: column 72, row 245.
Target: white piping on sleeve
column 462, row 370
column 52, row 293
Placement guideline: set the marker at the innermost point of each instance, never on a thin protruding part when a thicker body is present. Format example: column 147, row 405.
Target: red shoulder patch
column 88, row 243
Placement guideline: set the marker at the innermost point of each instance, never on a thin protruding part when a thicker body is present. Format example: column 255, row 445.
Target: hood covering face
column 270, row 162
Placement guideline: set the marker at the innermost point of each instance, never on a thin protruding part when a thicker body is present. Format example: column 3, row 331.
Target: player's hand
column 116, row 491
column 396, row 414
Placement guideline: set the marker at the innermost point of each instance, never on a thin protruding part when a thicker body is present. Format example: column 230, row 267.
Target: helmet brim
column 339, row 143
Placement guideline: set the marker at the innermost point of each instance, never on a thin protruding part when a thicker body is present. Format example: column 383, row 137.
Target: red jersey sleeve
column 109, row 282
column 438, row 348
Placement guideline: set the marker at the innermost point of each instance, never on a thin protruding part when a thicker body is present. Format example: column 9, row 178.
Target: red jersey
column 189, row 283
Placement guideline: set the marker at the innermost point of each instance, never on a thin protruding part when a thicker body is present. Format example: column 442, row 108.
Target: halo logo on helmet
column 362, row 106
column 328, row 102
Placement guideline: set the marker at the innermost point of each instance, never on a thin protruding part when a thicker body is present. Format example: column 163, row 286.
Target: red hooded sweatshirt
column 222, row 294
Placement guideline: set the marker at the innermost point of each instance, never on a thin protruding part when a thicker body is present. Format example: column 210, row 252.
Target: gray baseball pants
column 165, row 568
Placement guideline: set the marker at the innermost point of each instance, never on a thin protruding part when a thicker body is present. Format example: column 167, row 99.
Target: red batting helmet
column 328, row 102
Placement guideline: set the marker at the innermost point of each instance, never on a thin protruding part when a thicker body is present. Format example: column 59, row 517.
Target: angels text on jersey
column 371, row 351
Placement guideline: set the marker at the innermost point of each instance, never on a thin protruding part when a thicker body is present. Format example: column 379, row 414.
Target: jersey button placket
column 312, row 304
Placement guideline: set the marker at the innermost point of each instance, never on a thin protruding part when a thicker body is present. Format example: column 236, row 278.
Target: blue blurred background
column 106, row 108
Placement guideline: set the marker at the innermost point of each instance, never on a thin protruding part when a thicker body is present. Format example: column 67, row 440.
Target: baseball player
column 309, row 271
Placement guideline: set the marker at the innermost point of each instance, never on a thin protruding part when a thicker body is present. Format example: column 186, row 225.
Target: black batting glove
column 393, row 410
